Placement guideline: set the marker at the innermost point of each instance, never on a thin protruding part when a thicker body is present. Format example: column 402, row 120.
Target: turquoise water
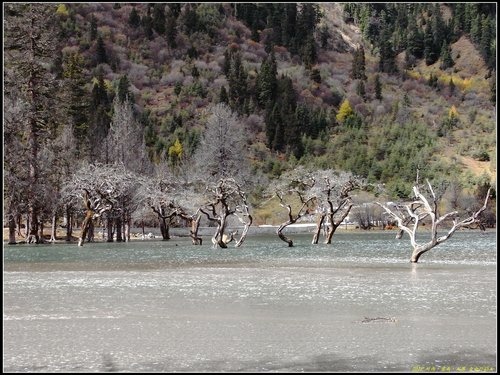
column 156, row 306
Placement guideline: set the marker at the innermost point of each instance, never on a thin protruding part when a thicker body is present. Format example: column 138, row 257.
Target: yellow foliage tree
column 61, row 9
column 452, row 113
column 345, row 111
column 175, row 151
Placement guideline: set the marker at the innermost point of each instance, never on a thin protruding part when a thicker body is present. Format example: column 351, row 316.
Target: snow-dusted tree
column 294, row 190
column 334, row 202
column 409, row 216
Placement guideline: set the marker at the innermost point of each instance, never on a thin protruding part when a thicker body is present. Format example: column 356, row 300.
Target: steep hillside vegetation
column 352, row 87
column 178, row 60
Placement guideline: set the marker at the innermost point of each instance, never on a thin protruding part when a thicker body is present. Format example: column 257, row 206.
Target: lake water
column 357, row 305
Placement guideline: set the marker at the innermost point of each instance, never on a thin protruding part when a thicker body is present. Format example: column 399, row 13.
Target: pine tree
column 101, row 55
column 430, row 53
column 315, row 75
column 271, row 120
column 226, row 66
column 387, row 60
column 159, row 18
column 266, row 84
column 78, row 98
column 223, row 98
column 358, row 70
column 237, row 83
column 378, row 88
column 123, row 91
column 493, row 89
column 451, row 85
column 415, row 40
column 308, row 52
column 171, row 31
column 445, row 56
column 360, row 90
column 147, row 24
column 93, row 29
column 133, row 19
column 486, row 38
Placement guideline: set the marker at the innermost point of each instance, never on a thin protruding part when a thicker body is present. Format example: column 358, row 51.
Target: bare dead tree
column 95, row 206
column 428, row 208
column 112, row 194
column 125, row 139
column 334, row 201
column 222, row 152
column 224, row 199
column 170, row 196
column 294, row 186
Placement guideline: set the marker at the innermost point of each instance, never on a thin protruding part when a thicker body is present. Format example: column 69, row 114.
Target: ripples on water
column 356, row 249
column 171, row 306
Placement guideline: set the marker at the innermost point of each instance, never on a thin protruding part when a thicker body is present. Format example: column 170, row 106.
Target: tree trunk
column 282, row 236
column 90, row 232
column 419, row 250
column 218, row 238
column 164, row 228
column 319, row 224
column 331, row 230
column 69, row 224
column 42, row 239
column 53, row 232
column 19, row 219
column 109, row 227
column 12, row 230
column 27, row 227
column 245, row 231
column 33, row 236
column 118, row 222
column 195, row 225
column 85, row 227
column 127, row 229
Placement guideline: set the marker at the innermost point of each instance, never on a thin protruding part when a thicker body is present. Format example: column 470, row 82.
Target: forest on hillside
column 171, row 114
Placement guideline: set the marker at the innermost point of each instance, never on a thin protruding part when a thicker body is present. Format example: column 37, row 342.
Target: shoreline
column 207, row 232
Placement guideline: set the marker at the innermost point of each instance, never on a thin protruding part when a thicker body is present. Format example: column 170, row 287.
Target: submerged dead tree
column 110, row 194
column 410, row 216
column 224, row 199
column 295, row 194
column 96, row 206
column 334, row 201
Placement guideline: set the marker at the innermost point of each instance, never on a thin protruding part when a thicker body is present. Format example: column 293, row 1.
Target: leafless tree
column 334, row 202
column 224, row 199
column 294, row 190
column 221, row 167
column 124, row 143
column 109, row 192
column 172, row 196
column 222, row 152
column 423, row 207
